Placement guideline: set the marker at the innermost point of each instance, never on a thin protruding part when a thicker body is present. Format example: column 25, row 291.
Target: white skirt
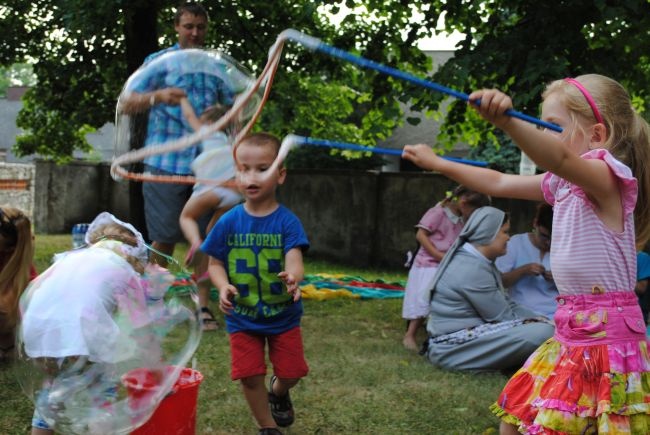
column 417, row 295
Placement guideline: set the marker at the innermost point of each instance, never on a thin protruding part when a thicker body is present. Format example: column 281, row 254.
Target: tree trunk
column 141, row 39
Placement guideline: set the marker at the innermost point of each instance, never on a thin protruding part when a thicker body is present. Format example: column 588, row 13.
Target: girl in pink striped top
column 593, row 375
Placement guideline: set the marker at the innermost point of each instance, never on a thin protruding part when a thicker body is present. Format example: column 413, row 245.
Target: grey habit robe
column 468, row 292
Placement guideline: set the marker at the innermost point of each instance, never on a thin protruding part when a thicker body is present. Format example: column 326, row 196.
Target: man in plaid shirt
column 159, row 91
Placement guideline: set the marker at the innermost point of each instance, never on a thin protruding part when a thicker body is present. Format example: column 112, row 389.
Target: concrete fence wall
column 368, row 218
column 359, row 218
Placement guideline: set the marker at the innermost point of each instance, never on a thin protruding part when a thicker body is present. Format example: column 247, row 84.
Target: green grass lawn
column 361, row 379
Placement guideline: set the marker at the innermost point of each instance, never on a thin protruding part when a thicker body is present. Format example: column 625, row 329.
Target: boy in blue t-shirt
column 255, row 252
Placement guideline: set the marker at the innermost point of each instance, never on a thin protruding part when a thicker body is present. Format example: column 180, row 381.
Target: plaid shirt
column 167, row 122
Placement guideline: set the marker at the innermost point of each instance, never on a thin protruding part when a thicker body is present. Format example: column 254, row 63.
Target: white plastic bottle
column 526, row 165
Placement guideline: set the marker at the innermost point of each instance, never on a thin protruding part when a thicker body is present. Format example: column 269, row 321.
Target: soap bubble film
column 220, row 91
column 91, row 326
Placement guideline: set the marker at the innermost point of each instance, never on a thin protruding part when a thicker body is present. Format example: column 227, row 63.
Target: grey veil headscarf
column 481, row 228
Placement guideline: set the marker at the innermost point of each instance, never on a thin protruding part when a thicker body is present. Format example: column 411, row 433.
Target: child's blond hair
column 115, row 231
column 628, row 134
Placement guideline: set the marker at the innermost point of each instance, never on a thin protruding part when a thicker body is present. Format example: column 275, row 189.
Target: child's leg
column 410, row 340
column 204, row 284
column 40, row 426
column 289, row 366
column 507, row 429
column 258, row 401
column 281, row 386
column 164, row 248
column 248, row 365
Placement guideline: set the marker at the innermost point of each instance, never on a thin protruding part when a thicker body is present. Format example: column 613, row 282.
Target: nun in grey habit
column 472, row 324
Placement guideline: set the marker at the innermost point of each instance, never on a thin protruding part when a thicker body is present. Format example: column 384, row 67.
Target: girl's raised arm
column 487, row 181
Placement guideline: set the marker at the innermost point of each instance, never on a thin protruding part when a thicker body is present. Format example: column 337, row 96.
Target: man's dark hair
column 190, row 8
column 544, row 216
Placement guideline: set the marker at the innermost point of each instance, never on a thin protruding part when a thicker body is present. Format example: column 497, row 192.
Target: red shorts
column 285, row 352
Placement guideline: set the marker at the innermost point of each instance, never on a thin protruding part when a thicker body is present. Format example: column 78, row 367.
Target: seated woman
column 472, row 324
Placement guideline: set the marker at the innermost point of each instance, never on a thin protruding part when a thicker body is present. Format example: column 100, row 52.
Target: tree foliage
column 86, row 49
column 520, row 45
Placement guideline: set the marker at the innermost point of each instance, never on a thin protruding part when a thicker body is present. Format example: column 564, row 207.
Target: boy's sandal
column 208, row 322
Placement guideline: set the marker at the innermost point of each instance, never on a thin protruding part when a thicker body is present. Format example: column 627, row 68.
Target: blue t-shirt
column 253, row 250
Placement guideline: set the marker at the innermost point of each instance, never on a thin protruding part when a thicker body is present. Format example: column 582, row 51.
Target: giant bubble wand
column 317, row 45
column 250, row 100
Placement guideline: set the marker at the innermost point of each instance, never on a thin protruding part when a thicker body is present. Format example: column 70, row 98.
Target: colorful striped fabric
column 323, row 286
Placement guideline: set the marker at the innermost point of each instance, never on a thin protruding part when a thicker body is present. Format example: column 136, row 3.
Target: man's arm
column 138, row 102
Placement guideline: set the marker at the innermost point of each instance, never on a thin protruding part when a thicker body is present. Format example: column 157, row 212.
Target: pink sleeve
column 549, row 187
column 431, row 219
column 627, row 182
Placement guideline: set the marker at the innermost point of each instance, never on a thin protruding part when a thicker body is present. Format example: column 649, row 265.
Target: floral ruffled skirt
column 592, row 377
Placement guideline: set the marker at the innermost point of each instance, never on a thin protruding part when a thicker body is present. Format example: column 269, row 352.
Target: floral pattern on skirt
column 602, row 389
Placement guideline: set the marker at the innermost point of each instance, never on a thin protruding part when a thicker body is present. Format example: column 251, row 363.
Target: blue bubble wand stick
column 317, row 45
column 292, row 140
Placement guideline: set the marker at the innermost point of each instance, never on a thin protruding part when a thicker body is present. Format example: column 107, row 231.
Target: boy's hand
column 226, row 295
column 423, row 156
column 292, row 286
column 494, row 104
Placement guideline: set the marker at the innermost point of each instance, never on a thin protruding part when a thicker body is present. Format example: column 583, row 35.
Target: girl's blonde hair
column 628, row 134
column 115, row 231
column 16, row 233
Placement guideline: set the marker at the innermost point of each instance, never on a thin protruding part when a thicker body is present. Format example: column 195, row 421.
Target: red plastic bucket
column 176, row 413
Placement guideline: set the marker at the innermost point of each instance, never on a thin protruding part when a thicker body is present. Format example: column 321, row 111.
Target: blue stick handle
column 318, row 45
column 356, row 147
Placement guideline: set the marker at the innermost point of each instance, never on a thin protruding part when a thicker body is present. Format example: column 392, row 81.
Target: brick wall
column 17, row 186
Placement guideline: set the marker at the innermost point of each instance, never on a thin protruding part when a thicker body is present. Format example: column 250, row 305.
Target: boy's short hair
column 262, row 139
column 190, row 8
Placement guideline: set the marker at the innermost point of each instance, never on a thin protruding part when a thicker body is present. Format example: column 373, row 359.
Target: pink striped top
column 584, row 252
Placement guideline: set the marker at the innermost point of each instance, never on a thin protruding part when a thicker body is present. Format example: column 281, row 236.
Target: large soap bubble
column 102, row 342
column 221, row 93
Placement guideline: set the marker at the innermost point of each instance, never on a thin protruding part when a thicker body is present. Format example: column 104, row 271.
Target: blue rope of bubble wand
column 317, row 45
column 356, row 147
